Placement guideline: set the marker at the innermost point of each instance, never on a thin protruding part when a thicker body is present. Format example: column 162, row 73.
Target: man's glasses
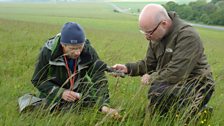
column 152, row 31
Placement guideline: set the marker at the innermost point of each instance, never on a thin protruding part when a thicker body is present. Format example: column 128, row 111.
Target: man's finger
column 72, row 97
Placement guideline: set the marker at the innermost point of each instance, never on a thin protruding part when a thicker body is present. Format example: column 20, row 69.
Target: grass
column 25, row 27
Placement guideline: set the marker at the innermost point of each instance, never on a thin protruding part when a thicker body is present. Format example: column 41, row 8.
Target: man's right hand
column 114, row 113
column 145, row 79
column 120, row 67
column 70, row 96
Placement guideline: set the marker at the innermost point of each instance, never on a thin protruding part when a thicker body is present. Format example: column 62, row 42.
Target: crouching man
column 65, row 74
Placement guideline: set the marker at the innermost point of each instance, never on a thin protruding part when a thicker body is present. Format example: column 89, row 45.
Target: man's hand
column 120, row 67
column 111, row 112
column 145, row 79
column 70, row 96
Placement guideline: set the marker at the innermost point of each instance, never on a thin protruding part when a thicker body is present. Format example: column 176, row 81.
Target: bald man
column 175, row 65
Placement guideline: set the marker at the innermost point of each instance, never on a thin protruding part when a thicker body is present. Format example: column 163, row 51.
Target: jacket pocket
column 165, row 58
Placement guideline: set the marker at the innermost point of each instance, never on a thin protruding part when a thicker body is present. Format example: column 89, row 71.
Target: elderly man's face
column 154, row 32
column 72, row 51
column 150, row 32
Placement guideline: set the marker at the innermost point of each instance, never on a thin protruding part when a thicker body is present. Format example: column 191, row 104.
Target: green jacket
column 50, row 75
column 177, row 58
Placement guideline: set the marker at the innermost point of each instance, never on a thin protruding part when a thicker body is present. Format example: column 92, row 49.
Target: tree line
column 200, row 11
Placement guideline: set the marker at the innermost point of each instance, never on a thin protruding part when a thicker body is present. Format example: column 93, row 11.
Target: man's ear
column 164, row 22
column 63, row 46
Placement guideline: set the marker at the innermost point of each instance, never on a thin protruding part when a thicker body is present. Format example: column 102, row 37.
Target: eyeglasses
column 152, row 31
column 74, row 47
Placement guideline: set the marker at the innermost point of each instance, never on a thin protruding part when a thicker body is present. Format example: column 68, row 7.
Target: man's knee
column 160, row 97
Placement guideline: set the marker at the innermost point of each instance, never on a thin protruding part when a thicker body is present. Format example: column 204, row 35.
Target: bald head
column 152, row 14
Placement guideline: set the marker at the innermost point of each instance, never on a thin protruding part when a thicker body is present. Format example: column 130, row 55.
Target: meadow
column 25, row 27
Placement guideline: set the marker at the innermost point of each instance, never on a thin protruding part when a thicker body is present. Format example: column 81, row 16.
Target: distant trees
column 200, row 11
column 116, row 11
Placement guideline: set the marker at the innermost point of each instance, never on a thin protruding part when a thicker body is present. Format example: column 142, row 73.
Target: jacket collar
column 177, row 25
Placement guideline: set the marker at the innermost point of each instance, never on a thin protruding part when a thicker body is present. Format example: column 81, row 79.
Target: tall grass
column 25, row 27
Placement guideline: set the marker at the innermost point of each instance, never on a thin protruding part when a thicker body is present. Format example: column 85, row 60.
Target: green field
column 24, row 28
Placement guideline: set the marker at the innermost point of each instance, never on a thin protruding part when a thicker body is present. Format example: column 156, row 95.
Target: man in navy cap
column 65, row 73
